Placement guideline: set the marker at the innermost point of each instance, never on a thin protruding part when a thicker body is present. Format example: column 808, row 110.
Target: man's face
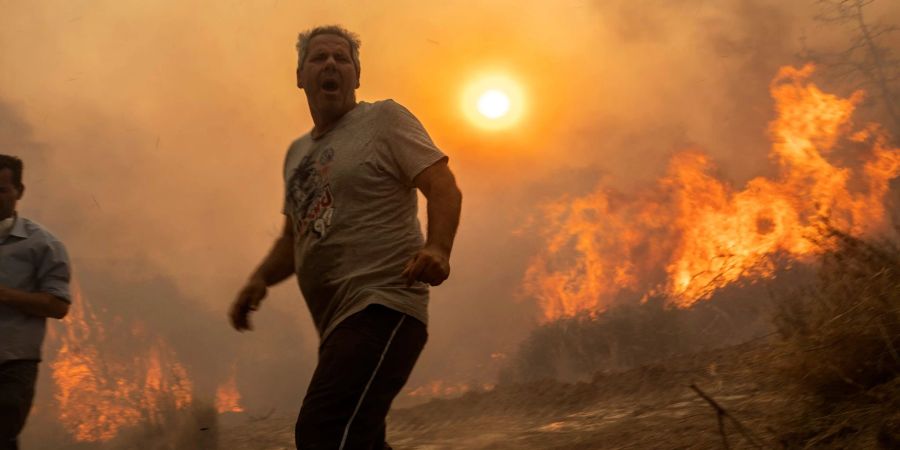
column 9, row 194
column 329, row 76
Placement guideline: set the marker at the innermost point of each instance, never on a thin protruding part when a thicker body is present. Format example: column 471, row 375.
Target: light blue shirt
column 31, row 260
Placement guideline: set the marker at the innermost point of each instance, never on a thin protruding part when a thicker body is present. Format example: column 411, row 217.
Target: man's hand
column 430, row 266
column 247, row 301
column 432, row 263
column 40, row 304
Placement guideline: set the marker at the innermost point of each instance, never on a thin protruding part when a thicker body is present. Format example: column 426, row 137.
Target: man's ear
column 21, row 192
column 358, row 72
column 299, row 81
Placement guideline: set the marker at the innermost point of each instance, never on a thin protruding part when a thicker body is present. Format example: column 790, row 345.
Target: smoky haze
column 154, row 133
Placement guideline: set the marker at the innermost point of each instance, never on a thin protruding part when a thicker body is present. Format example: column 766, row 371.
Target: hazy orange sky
column 154, row 131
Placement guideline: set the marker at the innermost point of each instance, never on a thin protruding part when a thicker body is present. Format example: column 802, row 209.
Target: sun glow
column 494, row 102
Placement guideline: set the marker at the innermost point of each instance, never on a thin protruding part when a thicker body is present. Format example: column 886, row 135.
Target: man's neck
column 323, row 123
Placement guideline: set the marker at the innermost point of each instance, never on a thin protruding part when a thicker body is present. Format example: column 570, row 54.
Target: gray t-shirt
column 351, row 200
column 31, row 260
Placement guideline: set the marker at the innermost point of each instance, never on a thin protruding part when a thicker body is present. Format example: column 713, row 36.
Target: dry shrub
column 195, row 427
column 576, row 347
column 634, row 334
column 192, row 428
column 843, row 334
column 840, row 342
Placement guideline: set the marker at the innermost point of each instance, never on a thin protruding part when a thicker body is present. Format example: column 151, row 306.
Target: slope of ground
column 649, row 407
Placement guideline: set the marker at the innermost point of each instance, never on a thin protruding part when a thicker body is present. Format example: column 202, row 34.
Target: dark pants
column 363, row 364
column 17, row 380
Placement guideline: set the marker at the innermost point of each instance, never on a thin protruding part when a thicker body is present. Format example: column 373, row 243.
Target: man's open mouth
column 330, row 86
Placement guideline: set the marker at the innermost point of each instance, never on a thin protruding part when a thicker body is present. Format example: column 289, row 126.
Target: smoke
column 15, row 134
column 154, row 133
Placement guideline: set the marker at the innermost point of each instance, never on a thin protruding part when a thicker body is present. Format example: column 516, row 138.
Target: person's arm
column 39, row 304
column 275, row 267
column 444, row 202
column 51, row 296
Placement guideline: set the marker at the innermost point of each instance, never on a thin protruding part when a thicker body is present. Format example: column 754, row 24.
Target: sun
column 493, row 102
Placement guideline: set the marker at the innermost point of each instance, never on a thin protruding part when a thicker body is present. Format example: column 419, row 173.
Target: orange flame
column 228, row 399
column 693, row 234
column 98, row 395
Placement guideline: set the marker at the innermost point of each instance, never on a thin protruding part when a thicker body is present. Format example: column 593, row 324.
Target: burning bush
column 695, row 233
column 634, row 334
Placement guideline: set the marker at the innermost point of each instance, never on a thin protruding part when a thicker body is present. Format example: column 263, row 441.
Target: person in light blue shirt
column 34, row 285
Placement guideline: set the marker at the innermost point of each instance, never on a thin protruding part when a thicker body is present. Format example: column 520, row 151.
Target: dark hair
column 15, row 165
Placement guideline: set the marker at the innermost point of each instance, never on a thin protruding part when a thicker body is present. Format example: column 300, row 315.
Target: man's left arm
column 444, row 201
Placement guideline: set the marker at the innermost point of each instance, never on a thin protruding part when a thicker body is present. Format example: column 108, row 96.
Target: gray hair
column 337, row 30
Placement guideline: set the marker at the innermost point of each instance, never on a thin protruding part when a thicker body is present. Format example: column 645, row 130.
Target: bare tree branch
column 721, row 414
column 865, row 57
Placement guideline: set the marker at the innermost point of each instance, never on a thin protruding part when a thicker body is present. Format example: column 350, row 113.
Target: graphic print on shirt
column 309, row 193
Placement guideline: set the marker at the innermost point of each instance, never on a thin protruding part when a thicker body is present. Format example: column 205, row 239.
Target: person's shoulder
column 393, row 112
column 389, row 105
column 35, row 230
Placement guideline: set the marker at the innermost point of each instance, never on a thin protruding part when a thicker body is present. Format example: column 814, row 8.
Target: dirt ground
column 652, row 407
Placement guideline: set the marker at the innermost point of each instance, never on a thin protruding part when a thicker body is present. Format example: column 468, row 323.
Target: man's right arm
column 275, row 267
